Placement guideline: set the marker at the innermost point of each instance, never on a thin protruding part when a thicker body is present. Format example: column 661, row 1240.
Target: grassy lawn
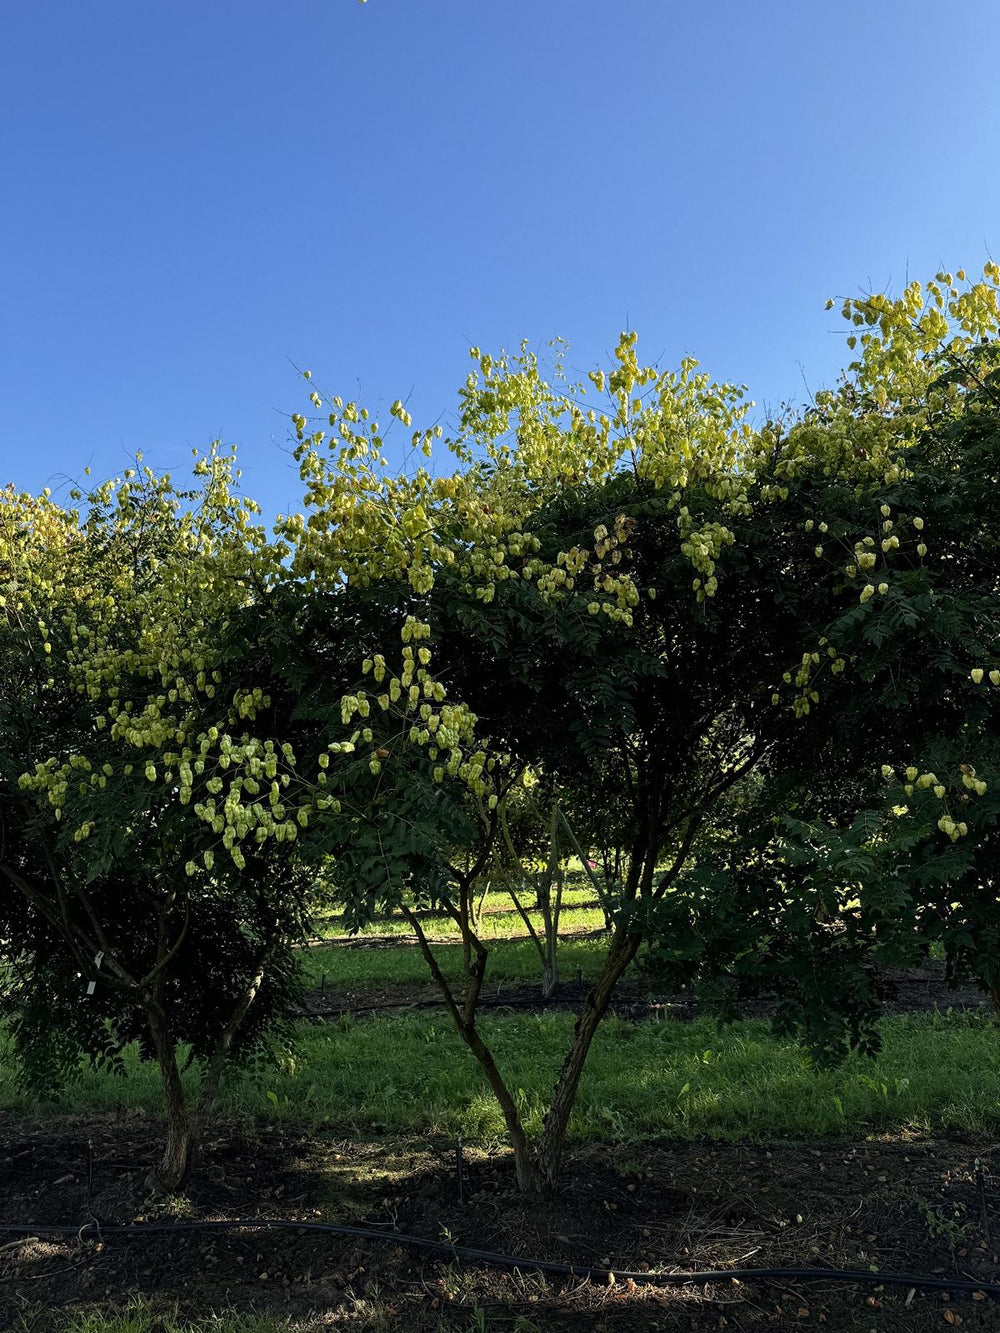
column 669, row 1079
column 494, row 924
column 510, row 961
column 580, row 909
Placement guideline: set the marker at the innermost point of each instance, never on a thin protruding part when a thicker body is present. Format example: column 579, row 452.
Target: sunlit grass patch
column 499, row 916
column 510, row 961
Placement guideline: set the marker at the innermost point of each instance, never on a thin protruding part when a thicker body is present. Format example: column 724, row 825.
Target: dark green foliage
column 53, row 1020
column 767, row 914
column 824, row 875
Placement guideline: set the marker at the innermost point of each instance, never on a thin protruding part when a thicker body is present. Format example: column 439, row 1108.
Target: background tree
column 877, row 841
column 119, row 919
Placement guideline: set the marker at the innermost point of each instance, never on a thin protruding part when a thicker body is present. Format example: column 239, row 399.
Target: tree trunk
column 183, row 1122
column 476, row 907
column 547, row 1155
column 537, row 1168
column 550, row 912
column 528, row 1180
column 178, row 1153
column 625, row 945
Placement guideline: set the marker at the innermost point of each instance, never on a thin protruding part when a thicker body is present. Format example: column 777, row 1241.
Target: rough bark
column 184, row 1122
column 181, row 1126
column 528, row 1179
column 550, row 978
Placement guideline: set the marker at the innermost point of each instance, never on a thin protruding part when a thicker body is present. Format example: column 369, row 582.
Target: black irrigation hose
column 447, row 1250
column 488, row 1002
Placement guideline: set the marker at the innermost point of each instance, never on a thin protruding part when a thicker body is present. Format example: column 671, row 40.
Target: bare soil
column 914, row 1204
column 920, row 990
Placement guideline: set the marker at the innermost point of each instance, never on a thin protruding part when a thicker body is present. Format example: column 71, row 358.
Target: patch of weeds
column 945, row 1221
column 143, row 1316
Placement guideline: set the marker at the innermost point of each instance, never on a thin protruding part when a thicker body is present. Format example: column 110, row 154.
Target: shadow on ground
column 896, row 1203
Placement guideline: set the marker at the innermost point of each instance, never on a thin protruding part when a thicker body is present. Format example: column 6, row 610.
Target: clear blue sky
column 197, row 195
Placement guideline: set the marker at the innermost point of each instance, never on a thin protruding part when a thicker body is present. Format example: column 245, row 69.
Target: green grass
column 412, row 1075
column 148, row 1316
column 494, row 924
column 510, row 961
column 153, row 1316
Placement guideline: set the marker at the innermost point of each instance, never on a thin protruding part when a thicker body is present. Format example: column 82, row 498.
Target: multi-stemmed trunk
column 537, row 1164
column 184, row 1120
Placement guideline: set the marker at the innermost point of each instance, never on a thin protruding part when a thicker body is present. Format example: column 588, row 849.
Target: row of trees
column 750, row 667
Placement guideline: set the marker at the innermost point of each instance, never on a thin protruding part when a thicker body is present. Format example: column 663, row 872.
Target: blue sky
column 199, row 195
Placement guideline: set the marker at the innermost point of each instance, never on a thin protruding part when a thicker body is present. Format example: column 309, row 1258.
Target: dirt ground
column 907, row 1204
column 919, row 990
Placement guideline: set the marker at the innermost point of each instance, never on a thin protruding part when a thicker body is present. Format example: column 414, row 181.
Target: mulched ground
column 914, row 1204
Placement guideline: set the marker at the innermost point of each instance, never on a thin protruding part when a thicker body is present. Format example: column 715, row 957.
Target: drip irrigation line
column 554, row 1004
column 447, row 1250
column 487, row 1002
